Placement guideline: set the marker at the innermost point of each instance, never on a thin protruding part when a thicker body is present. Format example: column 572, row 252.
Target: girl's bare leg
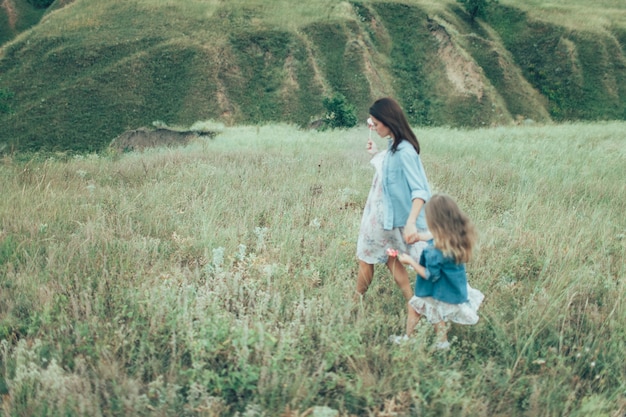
column 364, row 278
column 401, row 276
column 441, row 331
column 412, row 317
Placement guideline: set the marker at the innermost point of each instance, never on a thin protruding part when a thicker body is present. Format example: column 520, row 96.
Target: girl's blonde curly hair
column 452, row 230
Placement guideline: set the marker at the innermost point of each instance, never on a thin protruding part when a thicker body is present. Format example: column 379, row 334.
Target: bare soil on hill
column 462, row 72
column 11, row 12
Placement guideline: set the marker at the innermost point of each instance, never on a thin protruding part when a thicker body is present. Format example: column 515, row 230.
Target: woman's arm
column 419, row 189
column 410, row 229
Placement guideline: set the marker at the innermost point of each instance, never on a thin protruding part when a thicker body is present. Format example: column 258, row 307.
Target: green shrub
column 5, row 96
column 41, row 4
column 339, row 113
column 476, row 8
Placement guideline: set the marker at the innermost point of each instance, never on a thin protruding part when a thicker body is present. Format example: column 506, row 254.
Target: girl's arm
column 424, row 236
column 407, row 260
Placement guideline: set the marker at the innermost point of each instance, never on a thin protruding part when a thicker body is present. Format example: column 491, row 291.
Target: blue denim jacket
column 404, row 180
column 445, row 280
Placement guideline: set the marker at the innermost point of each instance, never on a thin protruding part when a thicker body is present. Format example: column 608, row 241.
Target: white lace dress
column 445, row 280
column 437, row 311
column 373, row 240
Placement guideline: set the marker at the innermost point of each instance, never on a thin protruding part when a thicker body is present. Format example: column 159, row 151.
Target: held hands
column 410, row 233
column 412, row 237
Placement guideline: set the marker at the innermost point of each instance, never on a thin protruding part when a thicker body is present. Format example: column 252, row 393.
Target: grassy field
column 217, row 279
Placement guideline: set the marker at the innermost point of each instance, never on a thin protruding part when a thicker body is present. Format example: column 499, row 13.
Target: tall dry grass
column 217, row 279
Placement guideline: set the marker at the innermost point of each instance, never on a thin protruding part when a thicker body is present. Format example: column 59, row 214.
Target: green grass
column 217, row 278
column 577, row 15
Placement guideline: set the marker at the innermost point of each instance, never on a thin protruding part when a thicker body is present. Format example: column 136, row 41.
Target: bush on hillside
column 476, row 8
column 339, row 113
column 5, row 96
column 41, row 4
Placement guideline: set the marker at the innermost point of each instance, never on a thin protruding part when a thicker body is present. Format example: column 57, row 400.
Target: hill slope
column 91, row 70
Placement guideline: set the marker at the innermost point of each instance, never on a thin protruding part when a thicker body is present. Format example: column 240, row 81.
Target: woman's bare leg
column 401, row 276
column 364, row 278
column 412, row 317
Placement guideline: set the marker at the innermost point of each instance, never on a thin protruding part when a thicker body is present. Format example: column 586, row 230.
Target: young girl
column 442, row 293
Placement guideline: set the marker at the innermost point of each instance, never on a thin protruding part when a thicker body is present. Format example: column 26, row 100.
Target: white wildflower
column 241, row 252
column 260, row 233
column 218, row 258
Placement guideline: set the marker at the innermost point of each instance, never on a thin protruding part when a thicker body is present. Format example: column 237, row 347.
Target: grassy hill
column 90, row 70
column 217, row 279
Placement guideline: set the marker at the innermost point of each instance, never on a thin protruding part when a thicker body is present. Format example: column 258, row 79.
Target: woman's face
column 382, row 130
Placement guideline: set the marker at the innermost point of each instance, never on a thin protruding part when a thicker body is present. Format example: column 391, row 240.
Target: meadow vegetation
column 217, row 279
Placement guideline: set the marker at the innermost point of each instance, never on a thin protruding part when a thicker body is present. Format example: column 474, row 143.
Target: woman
column 393, row 217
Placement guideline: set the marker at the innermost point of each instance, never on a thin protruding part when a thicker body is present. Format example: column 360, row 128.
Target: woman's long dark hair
column 389, row 112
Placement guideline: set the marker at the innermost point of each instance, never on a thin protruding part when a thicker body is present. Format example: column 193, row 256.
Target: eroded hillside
column 90, row 71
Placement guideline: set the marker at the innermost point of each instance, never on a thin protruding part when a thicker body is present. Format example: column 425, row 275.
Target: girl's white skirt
column 437, row 311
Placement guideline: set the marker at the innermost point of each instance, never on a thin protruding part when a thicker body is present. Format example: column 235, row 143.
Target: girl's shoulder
column 432, row 254
column 430, row 247
column 436, row 255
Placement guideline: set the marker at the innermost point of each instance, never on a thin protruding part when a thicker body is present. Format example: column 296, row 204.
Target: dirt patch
column 144, row 138
column 9, row 9
column 463, row 73
column 379, row 84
